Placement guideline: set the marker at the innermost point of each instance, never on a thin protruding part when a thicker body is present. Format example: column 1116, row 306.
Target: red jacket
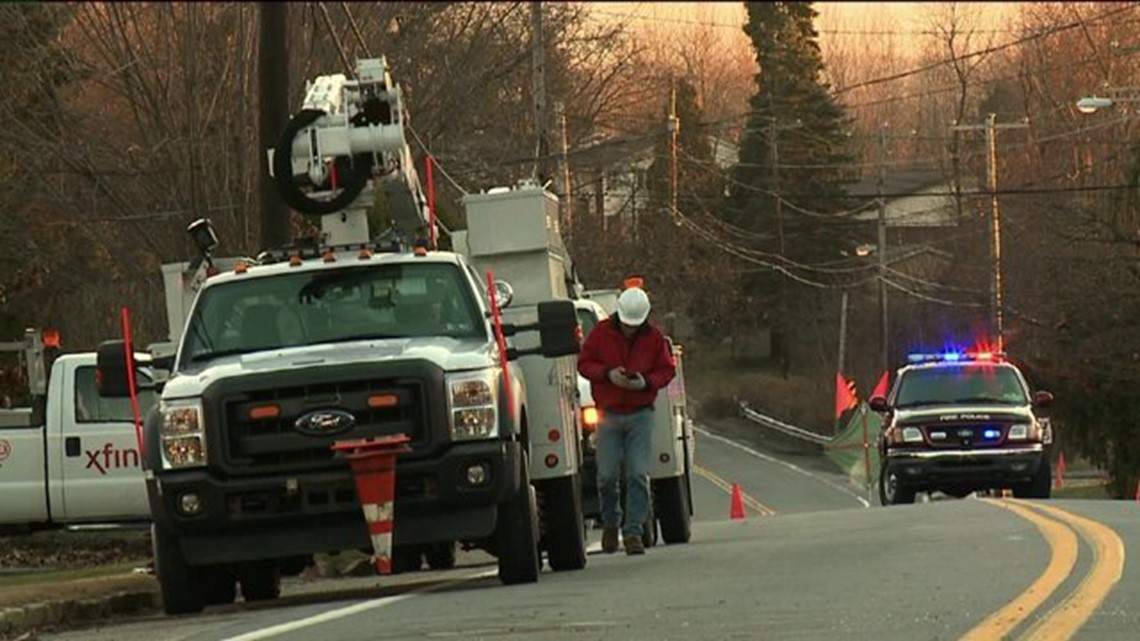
column 646, row 353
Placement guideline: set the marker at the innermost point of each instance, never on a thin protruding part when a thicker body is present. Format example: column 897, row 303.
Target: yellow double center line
column 749, row 501
column 1063, row 621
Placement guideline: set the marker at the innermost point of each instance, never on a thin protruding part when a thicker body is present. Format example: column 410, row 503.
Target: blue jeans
column 625, row 440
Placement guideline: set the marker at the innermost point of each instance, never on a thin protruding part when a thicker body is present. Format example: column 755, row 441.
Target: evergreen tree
column 793, row 157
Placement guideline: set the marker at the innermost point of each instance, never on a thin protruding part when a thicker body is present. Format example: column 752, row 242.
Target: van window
column 92, row 408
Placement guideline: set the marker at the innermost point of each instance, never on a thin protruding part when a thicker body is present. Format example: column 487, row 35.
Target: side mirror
column 1042, row 398
column 111, row 367
column 504, row 293
column 879, row 404
column 558, row 328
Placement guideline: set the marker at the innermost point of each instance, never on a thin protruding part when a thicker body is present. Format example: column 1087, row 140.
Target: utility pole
column 674, row 133
column 884, row 362
column 564, row 158
column 538, row 89
column 990, row 127
column 273, row 115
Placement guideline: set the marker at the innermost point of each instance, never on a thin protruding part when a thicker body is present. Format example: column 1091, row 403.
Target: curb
column 16, row 621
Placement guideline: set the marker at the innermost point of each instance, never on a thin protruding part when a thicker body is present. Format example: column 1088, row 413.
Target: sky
column 837, row 19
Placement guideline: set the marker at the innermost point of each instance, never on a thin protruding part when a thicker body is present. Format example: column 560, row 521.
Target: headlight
column 183, row 434
column 590, row 417
column 471, row 404
column 912, row 435
column 1018, row 432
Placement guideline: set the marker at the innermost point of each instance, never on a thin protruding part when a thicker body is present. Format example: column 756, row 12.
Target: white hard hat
column 633, row 306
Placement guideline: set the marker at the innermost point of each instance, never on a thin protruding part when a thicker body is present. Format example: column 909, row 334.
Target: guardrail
column 780, row 426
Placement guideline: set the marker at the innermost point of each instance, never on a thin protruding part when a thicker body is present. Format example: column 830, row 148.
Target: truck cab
column 72, row 457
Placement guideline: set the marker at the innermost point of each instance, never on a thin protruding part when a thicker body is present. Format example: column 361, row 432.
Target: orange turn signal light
column 295, row 261
column 383, row 400
column 262, row 412
column 241, row 268
column 50, row 338
column 590, row 417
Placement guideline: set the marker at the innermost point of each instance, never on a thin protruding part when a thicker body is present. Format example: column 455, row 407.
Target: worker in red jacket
column 627, row 361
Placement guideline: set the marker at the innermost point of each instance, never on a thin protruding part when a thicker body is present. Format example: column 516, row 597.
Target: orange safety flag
column 845, row 397
column 881, row 388
column 1060, row 480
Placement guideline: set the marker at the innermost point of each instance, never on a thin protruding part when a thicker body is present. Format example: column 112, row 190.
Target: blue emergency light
column 954, row 357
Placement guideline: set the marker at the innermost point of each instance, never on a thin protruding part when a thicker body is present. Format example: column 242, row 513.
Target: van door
column 102, row 471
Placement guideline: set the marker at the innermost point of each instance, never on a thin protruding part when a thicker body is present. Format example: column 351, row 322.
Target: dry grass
column 717, row 384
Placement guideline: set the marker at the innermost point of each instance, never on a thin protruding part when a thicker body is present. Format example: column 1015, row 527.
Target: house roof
column 898, row 182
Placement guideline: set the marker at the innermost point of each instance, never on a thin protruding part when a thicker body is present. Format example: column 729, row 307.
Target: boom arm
column 348, row 135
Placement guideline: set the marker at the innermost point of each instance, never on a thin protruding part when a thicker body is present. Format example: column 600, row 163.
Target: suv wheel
column 892, row 491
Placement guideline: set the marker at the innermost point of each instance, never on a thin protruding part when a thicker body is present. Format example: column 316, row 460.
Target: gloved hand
column 617, row 377
column 637, row 382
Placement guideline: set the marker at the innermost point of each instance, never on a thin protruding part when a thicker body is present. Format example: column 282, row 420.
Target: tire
column 440, row 556
column 219, row 585
column 1040, row 487
column 406, row 558
column 649, row 529
column 179, row 581
column 517, row 533
column 892, row 491
column 671, row 505
column 563, row 536
column 260, row 581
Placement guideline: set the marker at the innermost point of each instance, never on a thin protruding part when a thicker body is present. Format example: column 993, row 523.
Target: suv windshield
column 324, row 306
column 961, row 384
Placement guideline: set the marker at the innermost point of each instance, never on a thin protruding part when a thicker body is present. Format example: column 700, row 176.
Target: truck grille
column 272, row 444
column 969, row 436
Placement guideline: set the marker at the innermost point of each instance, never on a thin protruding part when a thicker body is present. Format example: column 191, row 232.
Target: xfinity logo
column 325, row 423
column 965, row 417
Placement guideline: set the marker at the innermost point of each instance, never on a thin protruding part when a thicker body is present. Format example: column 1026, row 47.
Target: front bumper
column 286, row 515
column 925, row 470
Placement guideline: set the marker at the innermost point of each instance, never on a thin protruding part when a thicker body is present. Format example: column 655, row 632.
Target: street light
column 1090, row 104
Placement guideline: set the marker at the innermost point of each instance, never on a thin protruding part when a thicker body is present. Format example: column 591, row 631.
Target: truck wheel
column 440, row 556
column 649, row 530
column 1040, row 487
column 517, row 533
column 563, row 536
column 891, row 489
column 671, row 505
column 179, row 582
column 260, row 581
column 407, row 558
column 219, row 585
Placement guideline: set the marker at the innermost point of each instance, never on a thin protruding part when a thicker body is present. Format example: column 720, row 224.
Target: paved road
column 823, row 565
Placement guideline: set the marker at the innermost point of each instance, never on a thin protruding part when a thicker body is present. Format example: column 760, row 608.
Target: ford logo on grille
column 325, row 422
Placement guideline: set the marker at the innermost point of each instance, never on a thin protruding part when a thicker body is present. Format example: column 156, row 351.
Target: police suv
column 960, row 422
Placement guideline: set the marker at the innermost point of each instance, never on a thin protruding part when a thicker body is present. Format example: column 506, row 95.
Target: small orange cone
column 737, row 510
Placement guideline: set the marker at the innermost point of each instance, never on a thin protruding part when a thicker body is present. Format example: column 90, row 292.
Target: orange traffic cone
column 373, row 464
column 736, row 512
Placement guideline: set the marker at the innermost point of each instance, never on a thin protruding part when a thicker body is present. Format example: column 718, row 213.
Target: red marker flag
column 845, row 397
column 883, row 386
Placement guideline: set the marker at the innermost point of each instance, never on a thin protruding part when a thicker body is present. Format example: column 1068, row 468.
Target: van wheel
column 563, row 537
column 179, row 581
column 440, row 556
column 260, row 581
column 517, row 532
column 672, row 507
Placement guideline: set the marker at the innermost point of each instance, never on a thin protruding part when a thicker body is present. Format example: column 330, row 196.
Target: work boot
column 634, row 545
column 610, row 539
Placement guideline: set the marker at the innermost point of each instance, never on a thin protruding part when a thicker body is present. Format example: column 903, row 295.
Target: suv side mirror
column 1041, row 398
column 111, row 367
column 879, row 404
column 558, row 330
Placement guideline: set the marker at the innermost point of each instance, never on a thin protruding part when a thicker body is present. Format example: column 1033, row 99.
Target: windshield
column 305, row 308
column 587, row 320
column 961, row 384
